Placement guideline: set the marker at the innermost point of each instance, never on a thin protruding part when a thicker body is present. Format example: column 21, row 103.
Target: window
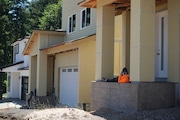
column 16, row 51
column 85, row 17
column 72, row 23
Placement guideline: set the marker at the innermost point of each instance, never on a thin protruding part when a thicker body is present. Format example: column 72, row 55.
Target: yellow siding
column 118, row 45
column 67, row 59
column 86, row 70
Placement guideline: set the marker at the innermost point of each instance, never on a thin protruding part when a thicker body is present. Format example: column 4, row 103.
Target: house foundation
column 131, row 97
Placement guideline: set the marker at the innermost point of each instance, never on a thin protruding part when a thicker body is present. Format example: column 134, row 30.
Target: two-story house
column 63, row 62
column 151, row 37
column 18, row 71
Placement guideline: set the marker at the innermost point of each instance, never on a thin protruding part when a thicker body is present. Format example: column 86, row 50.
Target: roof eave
column 88, row 3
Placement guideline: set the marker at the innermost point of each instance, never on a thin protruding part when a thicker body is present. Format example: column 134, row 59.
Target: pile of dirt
column 77, row 114
column 62, row 114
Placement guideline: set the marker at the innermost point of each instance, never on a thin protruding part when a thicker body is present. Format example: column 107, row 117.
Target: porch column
column 104, row 41
column 32, row 73
column 173, row 40
column 126, row 39
column 142, row 40
column 41, row 73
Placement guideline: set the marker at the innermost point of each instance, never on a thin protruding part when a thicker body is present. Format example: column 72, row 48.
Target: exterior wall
column 55, row 40
column 50, row 73
column 15, row 84
column 22, row 44
column 66, row 59
column 34, row 48
column 73, row 8
column 32, row 73
column 48, row 40
column 118, row 45
column 86, row 69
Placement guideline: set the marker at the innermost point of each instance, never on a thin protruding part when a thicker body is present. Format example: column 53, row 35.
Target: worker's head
column 124, row 71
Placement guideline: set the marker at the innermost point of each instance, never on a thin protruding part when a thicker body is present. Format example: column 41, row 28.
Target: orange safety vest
column 123, row 78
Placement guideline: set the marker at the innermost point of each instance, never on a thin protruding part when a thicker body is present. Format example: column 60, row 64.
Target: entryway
column 69, row 85
column 24, row 87
column 161, row 52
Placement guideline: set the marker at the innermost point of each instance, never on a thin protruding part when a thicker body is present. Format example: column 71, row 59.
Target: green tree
column 19, row 18
column 5, row 32
column 36, row 9
column 51, row 18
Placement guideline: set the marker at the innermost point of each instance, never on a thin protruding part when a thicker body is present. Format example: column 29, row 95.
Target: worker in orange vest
column 122, row 78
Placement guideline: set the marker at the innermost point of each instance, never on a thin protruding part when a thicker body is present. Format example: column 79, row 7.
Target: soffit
column 120, row 5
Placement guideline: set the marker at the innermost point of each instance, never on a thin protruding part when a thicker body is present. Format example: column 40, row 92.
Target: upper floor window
column 85, row 17
column 72, row 23
column 16, row 51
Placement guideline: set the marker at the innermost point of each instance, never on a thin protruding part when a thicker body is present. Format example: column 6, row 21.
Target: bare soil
column 76, row 114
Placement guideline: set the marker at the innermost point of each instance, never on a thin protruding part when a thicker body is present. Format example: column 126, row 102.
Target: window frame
column 15, row 51
column 70, row 26
column 81, row 18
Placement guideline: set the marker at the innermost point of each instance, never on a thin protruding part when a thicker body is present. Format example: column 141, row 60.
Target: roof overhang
column 12, row 67
column 120, row 5
column 34, row 37
column 88, row 3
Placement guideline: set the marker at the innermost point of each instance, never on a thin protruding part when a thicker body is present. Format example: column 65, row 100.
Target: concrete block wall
column 132, row 96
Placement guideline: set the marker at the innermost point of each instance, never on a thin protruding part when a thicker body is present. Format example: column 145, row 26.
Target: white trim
column 81, row 28
column 68, row 24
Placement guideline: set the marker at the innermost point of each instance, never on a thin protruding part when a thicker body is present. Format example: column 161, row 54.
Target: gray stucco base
column 132, row 96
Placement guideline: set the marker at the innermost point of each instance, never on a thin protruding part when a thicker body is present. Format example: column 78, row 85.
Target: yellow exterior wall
column 173, row 41
column 118, row 45
column 86, row 69
column 50, row 75
column 67, row 59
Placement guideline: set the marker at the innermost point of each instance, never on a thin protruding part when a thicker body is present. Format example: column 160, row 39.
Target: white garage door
column 69, row 86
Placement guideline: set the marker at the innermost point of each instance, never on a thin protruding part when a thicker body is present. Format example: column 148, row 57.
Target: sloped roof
column 34, row 37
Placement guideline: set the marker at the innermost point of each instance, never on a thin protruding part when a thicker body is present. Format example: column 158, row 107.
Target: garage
column 69, row 85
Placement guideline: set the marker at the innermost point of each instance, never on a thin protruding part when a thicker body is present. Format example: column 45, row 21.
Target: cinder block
column 132, row 96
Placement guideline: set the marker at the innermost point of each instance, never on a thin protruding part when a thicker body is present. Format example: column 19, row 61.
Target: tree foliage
column 5, row 32
column 19, row 17
column 51, row 18
column 44, row 14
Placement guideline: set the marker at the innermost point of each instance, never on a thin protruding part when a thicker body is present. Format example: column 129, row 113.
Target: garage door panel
column 69, row 86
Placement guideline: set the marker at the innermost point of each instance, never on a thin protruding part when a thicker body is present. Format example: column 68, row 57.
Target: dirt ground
column 76, row 114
